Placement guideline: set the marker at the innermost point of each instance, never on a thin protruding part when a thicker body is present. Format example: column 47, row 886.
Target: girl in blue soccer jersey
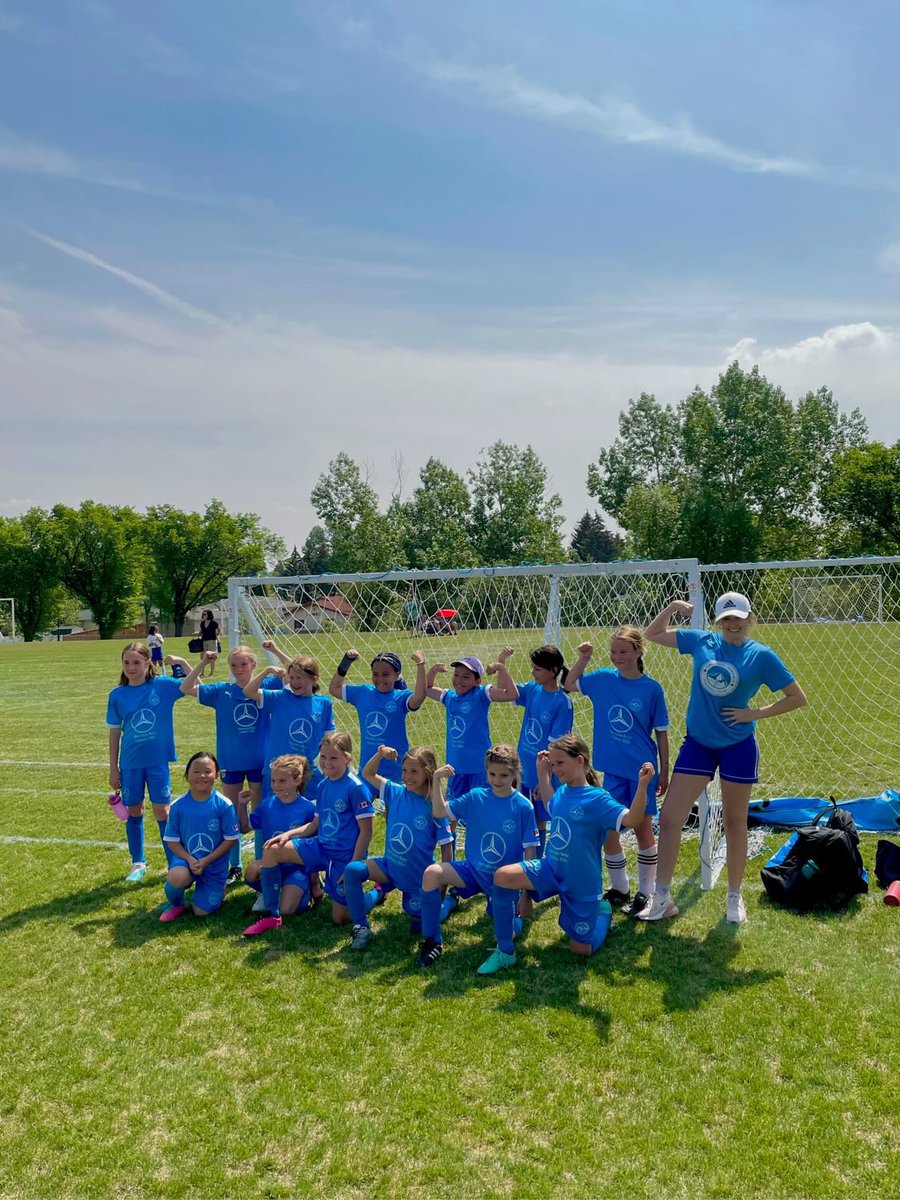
column 339, row 833
column 729, row 669
column 286, row 808
column 500, row 828
column 382, row 705
column 141, row 746
column 411, row 836
column 201, row 828
column 629, row 711
column 581, row 816
column 467, row 704
column 294, row 719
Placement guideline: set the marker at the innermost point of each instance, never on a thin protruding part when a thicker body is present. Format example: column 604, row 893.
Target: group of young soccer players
column 537, row 822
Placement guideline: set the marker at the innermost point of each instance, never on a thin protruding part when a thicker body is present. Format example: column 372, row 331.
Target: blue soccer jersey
column 580, row 819
column 382, row 722
column 626, row 714
column 342, row 804
column 238, row 725
column 498, row 828
column 468, row 731
column 272, row 816
column 411, row 836
column 547, row 716
column 726, row 676
column 144, row 714
column 294, row 724
column 202, row 825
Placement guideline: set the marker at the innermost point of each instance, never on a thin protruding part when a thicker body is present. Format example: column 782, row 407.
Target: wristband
column 344, row 665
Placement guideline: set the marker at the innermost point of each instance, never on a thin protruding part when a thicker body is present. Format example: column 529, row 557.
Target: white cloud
column 864, row 336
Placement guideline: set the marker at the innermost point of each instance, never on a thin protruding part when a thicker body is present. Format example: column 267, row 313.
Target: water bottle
column 117, row 807
column 810, row 869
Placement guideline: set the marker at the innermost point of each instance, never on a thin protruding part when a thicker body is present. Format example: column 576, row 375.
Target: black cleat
column 638, row 904
column 616, row 898
column 429, row 953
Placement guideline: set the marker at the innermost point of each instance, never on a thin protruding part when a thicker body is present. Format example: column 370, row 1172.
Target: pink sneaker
column 173, row 913
column 117, row 807
column 262, row 926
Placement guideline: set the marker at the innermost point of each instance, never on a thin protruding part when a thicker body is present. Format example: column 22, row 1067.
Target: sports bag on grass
column 195, row 645
column 820, row 867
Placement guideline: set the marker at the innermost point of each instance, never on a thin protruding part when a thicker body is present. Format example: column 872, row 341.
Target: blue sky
column 236, row 238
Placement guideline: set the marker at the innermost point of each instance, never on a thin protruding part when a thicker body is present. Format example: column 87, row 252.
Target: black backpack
column 822, row 869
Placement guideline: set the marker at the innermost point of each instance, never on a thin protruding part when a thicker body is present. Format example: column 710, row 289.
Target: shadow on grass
column 72, row 905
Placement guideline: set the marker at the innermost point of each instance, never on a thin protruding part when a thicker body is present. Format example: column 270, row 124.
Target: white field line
column 16, row 839
column 32, row 762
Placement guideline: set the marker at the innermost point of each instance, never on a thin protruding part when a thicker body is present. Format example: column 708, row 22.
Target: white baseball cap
column 732, row 604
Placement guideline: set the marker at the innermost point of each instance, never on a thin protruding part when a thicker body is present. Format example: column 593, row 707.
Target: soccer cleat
column 262, row 926
column 658, row 908
column 496, row 961
column 259, row 905
column 172, row 913
column 735, row 910
column 137, row 873
column 637, row 905
column 362, row 935
column 429, row 953
column 616, row 898
column 235, row 875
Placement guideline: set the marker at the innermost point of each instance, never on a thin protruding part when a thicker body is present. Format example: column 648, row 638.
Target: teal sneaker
column 498, row 961
column 137, row 873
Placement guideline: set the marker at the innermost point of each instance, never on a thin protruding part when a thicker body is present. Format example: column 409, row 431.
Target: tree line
column 737, row 474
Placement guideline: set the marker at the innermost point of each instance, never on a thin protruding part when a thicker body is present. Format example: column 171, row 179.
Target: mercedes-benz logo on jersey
column 718, row 678
column 376, row 724
column 560, row 833
column 457, row 727
column 300, row 731
column 246, row 715
column 330, row 823
column 534, row 735
column 493, row 847
column 143, row 721
column 582, row 927
column 620, row 719
column 401, row 839
column 199, row 845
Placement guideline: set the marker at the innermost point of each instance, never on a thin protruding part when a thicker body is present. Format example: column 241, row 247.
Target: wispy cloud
column 166, row 299
column 862, row 336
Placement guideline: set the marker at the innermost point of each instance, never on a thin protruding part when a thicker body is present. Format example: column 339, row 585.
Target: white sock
column 618, row 876
column 647, row 870
column 662, row 891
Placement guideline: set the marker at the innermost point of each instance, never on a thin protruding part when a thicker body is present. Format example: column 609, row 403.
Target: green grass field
column 145, row 1060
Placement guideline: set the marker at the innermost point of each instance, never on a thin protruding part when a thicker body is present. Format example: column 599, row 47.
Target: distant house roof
column 329, row 604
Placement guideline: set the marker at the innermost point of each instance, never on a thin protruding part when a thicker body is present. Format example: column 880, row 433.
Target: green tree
column 514, row 518
column 29, row 571
column 593, row 542
column 192, row 555
column 317, row 551
column 861, row 500
column 435, row 520
column 99, row 551
column 360, row 535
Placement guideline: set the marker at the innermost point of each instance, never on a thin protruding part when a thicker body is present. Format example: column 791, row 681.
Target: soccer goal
column 825, row 598
column 7, row 618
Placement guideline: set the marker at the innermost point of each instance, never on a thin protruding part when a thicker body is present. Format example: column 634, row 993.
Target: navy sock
column 175, row 895
column 504, row 910
column 134, row 835
column 270, row 877
column 355, row 875
column 431, row 915
column 170, row 857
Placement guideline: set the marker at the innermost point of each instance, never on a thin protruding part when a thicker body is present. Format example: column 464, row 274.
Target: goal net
column 852, row 598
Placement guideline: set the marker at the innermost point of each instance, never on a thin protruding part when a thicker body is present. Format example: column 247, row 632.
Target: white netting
column 852, row 598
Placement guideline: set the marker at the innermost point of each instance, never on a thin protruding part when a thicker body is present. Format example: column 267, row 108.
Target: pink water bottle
column 117, row 807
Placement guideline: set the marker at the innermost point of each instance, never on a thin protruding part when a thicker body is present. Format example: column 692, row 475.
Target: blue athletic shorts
column 156, row 654
column 738, row 763
column 156, row 779
column 541, row 815
column 410, row 889
column 577, row 914
column 473, row 881
column 623, row 790
column 251, row 774
column 315, row 858
column 209, row 889
column 459, row 784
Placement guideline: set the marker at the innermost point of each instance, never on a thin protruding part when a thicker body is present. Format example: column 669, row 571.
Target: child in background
column 286, row 808
column 156, row 641
column 294, row 719
column 141, row 746
column 411, row 836
column 202, row 825
column 629, row 709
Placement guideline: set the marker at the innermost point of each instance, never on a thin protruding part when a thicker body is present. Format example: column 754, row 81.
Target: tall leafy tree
column 99, row 552
column 192, row 555
column 317, row 551
column 861, row 500
column 360, row 535
column 593, row 542
column 29, row 571
column 514, row 517
column 435, row 520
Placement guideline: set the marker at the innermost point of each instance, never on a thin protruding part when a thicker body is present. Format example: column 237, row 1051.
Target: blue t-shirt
column 341, row 804
column 468, row 732
column 626, row 713
column 382, row 722
column 498, row 828
column 294, row 724
column 726, row 676
column 202, row 825
column 547, row 716
column 144, row 714
column 580, row 819
column 238, row 725
column 411, row 835
column 272, row 816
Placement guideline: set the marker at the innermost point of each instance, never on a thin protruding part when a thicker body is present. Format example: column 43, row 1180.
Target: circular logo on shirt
column 329, row 823
column 340, row 805
column 636, row 706
column 582, row 927
column 212, row 826
column 199, row 845
column 376, row 724
column 300, row 730
column 509, row 825
column 493, row 847
column 401, row 839
column 143, row 721
column 560, row 833
column 246, row 715
column 390, row 708
column 457, row 728
column 415, row 904
column 718, row 678
column 620, row 719
column 154, row 699
column 576, row 813
column 465, row 706
column 534, row 735
column 421, row 822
